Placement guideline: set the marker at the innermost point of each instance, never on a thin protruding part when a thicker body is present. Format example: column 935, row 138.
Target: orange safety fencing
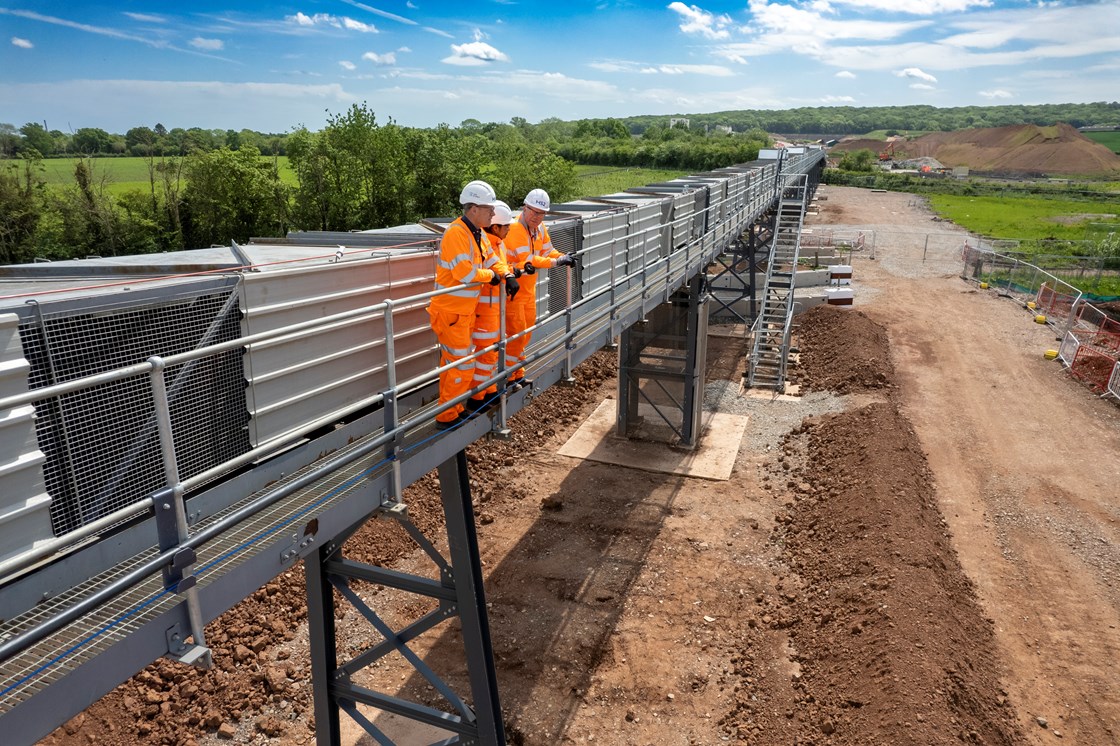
column 1093, row 367
column 1054, row 303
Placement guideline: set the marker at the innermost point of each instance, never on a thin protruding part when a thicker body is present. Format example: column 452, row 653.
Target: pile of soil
column 890, row 644
column 841, row 350
column 1018, row 149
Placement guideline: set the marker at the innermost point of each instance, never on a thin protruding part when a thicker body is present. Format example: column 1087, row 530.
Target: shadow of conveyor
column 556, row 597
column 558, row 594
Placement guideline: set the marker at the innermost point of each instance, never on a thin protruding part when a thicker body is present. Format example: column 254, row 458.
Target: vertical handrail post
column 174, row 532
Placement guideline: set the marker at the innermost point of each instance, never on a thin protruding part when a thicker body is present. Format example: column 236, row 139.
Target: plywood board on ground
column 713, row 458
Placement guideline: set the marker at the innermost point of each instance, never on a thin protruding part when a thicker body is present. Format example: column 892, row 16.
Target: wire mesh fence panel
column 1091, row 317
column 1114, row 381
column 1068, row 349
column 101, row 443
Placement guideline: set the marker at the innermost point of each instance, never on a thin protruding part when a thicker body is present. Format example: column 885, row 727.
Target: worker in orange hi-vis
column 488, row 316
column 465, row 259
column 528, row 248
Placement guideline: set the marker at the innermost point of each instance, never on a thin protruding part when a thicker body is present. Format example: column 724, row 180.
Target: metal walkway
column 191, row 551
column 770, row 347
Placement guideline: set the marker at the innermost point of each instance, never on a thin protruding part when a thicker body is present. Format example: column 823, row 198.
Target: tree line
column 139, row 141
column 212, row 186
column 589, row 137
column 355, row 173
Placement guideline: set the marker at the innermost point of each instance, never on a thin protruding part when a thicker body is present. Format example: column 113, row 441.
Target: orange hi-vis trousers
column 520, row 315
column 453, row 331
column 487, row 330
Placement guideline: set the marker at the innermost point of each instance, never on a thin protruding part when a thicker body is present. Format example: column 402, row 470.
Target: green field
column 1027, row 218
column 125, row 174
column 596, row 180
column 1110, row 140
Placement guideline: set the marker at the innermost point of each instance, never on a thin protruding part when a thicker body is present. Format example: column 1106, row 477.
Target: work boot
column 474, row 405
column 449, row 424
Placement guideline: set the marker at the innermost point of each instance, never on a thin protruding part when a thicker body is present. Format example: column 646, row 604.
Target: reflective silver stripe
column 483, row 366
column 456, row 351
column 465, row 293
column 469, row 277
column 455, row 260
column 490, row 300
column 546, row 248
column 467, row 367
column 486, row 335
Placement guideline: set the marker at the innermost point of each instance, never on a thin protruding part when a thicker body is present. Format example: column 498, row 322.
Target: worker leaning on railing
column 465, row 257
column 488, row 316
column 529, row 248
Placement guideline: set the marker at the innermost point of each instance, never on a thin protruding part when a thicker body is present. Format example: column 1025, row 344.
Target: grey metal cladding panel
column 600, row 235
column 24, row 503
column 296, row 380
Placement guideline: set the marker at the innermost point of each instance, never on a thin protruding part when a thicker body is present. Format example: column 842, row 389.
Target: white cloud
column 474, row 54
column 846, row 75
column 916, row 73
column 347, row 65
column 916, row 7
column 411, row 5
column 922, row 87
column 383, row 13
column 101, row 31
column 403, row 49
column 437, row 32
column 22, row 43
column 352, row 25
column 146, row 17
column 838, row 100
column 1012, row 36
column 695, row 20
column 210, row 45
column 389, row 58
column 996, row 93
column 649, row 68
column 326, row 19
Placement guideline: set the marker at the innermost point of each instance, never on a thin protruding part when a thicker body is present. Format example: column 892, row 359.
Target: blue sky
column 272, row 66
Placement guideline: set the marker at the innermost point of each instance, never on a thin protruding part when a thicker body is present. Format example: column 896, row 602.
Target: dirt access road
column 922, row 549
column 1027, row 467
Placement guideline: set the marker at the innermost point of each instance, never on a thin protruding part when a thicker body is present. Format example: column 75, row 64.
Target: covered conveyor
column 177, row 430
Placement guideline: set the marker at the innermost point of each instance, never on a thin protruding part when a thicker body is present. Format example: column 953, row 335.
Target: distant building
column 724, row 128
column 674, row 121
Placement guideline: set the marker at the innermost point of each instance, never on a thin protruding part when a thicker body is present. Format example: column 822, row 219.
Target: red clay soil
column 1024, row 149
column 841, row 350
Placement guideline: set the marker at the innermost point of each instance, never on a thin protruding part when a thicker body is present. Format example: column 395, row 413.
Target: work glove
column 512, row 286
column 495, row 279
column 516, row 271
column 530, row 269
column 566, row 261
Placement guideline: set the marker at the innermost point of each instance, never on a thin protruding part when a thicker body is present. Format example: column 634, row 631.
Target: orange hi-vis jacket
column 522, row 247
column 489, row 296
column 465, row 256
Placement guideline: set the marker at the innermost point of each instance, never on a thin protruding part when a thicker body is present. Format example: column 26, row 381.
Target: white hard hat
column 478, row 193
column 502, row 214
column 538, row 199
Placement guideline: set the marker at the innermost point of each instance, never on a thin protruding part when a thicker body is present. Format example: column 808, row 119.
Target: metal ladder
column 770, row 349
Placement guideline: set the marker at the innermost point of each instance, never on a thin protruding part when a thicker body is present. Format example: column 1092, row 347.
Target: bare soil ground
column 922, row 549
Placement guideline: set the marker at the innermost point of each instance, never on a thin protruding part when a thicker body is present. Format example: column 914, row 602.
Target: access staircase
column 770, row 350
